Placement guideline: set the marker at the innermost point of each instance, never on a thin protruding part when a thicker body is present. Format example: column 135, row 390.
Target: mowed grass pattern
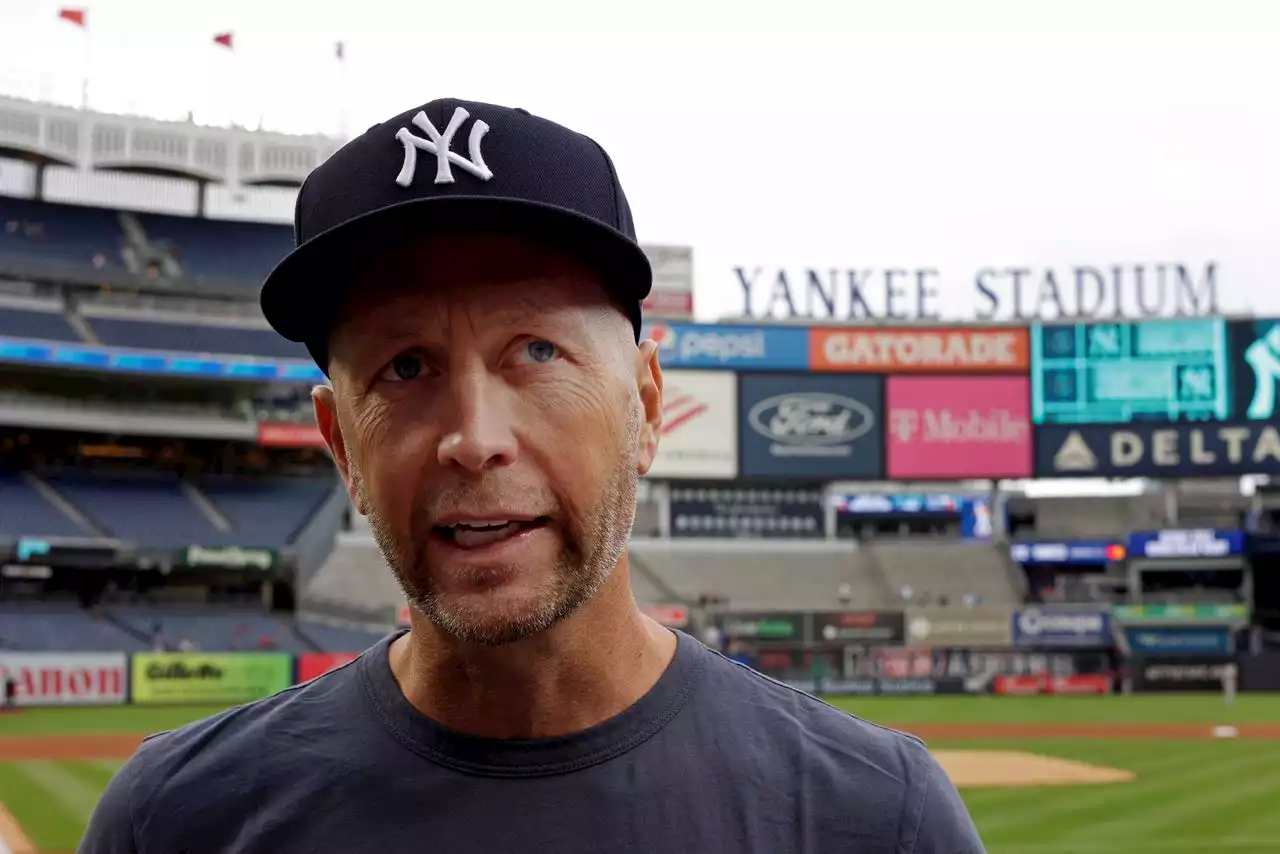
column 1191, row 797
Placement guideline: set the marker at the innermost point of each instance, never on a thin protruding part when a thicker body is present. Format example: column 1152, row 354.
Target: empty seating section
column 193, row 338
column 355, row 582
column 1096, row 517
column 33, row 627
column 32, row 323
column 945, row 568
column 766, row 574
column 337, row 638
column 151, row 510
column 266, row 513
column 42, row 231
column 25, row 513
column 240, row 251
column 210, row 630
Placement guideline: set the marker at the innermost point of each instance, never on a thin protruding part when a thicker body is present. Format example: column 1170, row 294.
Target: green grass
column 1191, row 797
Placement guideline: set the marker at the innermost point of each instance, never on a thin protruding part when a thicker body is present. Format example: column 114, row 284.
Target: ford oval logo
column 810, row 418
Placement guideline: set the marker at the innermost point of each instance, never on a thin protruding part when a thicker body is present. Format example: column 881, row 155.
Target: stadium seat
column 34, row 323
column 25, row 513
column 194, row 337
column 42, row 627
column 42, row 231
column 210, row 629
column 337, row 638
column 268, row 513
column 239, row 251
column 148, row 509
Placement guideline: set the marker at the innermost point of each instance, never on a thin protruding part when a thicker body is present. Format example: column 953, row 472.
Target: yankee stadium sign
column 999, row 293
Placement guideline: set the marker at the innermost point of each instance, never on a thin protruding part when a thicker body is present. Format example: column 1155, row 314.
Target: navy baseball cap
column 451, row 165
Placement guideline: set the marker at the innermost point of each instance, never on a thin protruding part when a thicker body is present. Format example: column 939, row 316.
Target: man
column 490, row 409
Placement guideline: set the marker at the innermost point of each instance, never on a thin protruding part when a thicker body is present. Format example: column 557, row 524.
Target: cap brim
column 301, row 295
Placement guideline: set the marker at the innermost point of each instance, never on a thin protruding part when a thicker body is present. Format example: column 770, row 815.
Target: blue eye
column 541, row 351
column 404, row 367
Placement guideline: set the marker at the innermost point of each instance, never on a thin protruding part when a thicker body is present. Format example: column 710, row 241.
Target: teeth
column 482, row 526
column 473, row 537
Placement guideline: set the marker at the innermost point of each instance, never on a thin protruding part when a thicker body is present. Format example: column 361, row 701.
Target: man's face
column 491, row 413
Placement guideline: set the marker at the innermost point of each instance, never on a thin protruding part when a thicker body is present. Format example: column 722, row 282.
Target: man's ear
column 649, row 383
column 326, row 409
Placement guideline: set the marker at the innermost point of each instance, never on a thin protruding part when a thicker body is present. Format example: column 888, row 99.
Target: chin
column 494, row 618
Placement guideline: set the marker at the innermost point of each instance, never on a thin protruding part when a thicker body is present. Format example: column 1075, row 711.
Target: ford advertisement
column 811, row 426
column 690, row 345
column 1034, row 627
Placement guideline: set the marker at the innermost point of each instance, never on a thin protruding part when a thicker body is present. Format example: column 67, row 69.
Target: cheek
column 389, row 462
column 579, row 434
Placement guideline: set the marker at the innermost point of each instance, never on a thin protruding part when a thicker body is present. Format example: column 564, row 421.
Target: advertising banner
column 962, row 627
column 671, row 296
column 916, row 662
column 312, row 665
column 699, row 426
column 936, row 350
column 1082, row 683
column 750, row 348
column 1034, row 627
column 1067, row 553
column 1183, row 640
column 958, row 427
column 228, row 557
column 878, row 687
column 673, row 616
column 1179, row 673
column 1185, row 544
column 273, row 435
column 973, row 512
column 66, row 678
column 1158, row 450
column 187, row 677
column 778, row 627
column 859, row 627
column 813, row 427
column 711, row 510
column 1180, row 613
column 1149, row 370
column 1255, row 348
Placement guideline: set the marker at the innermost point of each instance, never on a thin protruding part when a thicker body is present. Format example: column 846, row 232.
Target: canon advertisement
column 1061, row 629
column 711, row 510
column 813, row 427
column 958, row 427
column 699, row 438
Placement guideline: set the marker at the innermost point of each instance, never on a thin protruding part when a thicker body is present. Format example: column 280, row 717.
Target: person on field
column 468, row 278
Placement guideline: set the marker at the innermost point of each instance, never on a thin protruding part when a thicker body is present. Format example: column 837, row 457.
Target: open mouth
column 474, row 535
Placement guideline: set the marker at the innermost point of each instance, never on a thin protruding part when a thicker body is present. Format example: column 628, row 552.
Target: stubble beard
column 590, row 553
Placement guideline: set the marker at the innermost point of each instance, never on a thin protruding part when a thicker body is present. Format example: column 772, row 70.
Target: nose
column 482, row 435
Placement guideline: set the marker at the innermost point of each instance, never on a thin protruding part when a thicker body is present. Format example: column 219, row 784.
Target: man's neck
column 589, row 667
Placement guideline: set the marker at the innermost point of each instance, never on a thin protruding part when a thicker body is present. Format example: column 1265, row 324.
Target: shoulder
column 241, row 755
column 884, row 781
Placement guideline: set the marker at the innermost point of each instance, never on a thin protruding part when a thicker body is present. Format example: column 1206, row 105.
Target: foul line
column 12, row 838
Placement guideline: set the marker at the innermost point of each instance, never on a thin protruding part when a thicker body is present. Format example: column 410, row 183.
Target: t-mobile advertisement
column 958, row 427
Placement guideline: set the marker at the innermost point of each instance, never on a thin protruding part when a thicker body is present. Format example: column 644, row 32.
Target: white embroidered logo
column 440, row 144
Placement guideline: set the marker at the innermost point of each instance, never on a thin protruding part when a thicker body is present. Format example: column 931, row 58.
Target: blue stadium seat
column 25, row 513
column 194, row 338
column 151, row 510
column 243, row 251
column 338, row 639
column 32, row 230
column 267, row 513
column 32, row 323
column 209, row 630
column 36, row 627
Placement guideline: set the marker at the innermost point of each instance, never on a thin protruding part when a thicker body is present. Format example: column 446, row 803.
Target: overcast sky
column 946, row 135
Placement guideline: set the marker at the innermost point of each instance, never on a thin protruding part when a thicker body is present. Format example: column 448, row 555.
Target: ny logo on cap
column 440, row 144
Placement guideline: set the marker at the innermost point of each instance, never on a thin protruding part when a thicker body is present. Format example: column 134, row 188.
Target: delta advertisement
column 1061, row 629
column 1157, row 450
column 958, row 427
column 1196, row 543
column 238, row 677
column 66, row 678
column 811, row 426
column 699, row 426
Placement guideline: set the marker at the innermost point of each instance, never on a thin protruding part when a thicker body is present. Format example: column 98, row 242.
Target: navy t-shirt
column 715, row 758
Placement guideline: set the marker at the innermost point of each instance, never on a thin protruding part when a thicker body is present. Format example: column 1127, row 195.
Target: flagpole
column 343, row 126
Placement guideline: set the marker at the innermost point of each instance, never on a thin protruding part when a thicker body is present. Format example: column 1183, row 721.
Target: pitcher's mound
column 1013, row 768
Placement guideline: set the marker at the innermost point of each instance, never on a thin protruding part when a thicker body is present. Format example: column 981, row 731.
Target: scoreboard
column 1153, row 370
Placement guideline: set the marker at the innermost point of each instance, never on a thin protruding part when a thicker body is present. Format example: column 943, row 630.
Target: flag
column 75, row 16
column 340, row 51
column 223, row 39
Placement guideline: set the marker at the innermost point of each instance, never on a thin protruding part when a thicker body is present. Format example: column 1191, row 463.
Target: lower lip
column 496, row 550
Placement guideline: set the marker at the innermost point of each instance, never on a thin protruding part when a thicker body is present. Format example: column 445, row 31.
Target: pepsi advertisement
column 1196, row 543
column 1179, row 640
column 1061, row 629
column 757, row 348
column 811, row 426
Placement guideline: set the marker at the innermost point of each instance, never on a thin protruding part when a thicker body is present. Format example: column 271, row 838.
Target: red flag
column 75, row 16
column 223, row 39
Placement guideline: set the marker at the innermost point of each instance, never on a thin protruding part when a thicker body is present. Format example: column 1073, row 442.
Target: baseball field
column 1150, row 774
